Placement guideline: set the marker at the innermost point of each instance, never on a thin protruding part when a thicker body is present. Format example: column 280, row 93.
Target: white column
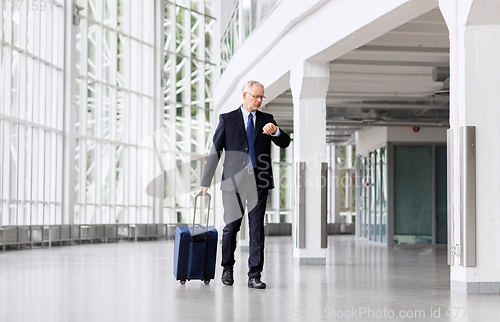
column 309, row 83
column 69, row 139
column 474, row 99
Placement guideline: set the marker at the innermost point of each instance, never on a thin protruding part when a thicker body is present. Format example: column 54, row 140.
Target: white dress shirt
column 245, row 120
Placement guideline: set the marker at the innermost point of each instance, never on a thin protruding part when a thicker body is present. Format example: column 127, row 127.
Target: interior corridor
column 133, row 281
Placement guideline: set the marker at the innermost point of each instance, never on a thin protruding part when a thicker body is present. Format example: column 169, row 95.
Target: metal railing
column 39, row 235
column 30, row 235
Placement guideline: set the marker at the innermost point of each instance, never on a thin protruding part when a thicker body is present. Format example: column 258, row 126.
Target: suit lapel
column 258, row 124
column 239, row 120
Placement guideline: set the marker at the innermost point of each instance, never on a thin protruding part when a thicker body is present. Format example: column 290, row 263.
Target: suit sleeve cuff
column 278, row 132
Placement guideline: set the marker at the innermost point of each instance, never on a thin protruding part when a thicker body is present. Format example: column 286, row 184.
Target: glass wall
column 31, row 112
column 412, row 195
column 245, row 17
column 373, row 196
column 347, row 182
column 114, row 100
column 285, row 184
column 418, row 216
column 113, row 111
column 189, row 78
column 279, row 199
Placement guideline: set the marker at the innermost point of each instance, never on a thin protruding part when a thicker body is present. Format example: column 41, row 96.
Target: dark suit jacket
column 231, row 136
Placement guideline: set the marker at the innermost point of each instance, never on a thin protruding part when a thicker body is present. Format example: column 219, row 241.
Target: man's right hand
column 203, row 191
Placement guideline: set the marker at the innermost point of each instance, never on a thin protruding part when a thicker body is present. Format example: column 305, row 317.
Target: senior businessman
column 245, row 135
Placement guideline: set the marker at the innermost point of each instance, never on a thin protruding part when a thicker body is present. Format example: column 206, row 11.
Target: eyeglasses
column 256, row 96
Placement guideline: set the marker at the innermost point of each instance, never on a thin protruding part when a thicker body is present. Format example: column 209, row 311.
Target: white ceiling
column 385, row 82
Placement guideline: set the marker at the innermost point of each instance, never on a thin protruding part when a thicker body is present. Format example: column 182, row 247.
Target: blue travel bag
column 195, row 250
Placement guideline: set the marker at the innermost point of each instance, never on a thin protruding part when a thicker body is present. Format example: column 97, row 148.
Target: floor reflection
column 133, row 281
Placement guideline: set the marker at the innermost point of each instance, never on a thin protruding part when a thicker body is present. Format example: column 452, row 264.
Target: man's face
column 250, row 102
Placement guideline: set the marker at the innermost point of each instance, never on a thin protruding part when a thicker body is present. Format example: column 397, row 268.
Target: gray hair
column 249, row 84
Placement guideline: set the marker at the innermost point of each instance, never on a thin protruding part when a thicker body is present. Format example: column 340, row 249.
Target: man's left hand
column 270, row 128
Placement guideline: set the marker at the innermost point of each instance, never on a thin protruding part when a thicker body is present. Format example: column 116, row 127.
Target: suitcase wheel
column 207, row 281
column 183, row 282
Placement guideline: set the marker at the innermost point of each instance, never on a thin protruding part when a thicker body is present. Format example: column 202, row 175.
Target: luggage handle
column 194, row 215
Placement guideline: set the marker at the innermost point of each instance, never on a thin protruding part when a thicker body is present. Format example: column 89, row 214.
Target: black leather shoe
column 227, row 277
column 255, row 282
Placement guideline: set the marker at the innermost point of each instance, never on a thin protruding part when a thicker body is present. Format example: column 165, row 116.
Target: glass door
column 373, row 212
column 373, row 196
column 384, row 187
column 363, row 213
column 413, row 194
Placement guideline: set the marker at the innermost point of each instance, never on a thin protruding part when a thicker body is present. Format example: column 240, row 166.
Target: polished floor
column 133, row 281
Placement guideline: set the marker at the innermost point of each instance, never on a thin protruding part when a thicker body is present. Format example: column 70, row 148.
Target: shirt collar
column 245, row 112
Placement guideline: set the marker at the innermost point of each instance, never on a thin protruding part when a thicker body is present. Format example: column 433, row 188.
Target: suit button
column 243, row 162
column 246, row 149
